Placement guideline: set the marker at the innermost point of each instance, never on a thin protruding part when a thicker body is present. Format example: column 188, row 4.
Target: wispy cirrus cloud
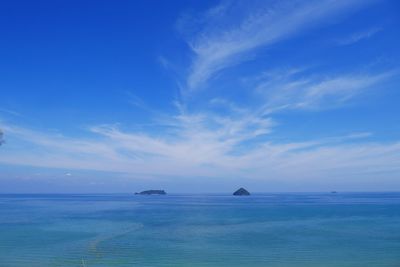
column 204, row 152
column 291, row 89
column 358, row 36
column 10, row 112
column 226, row 34
column 224, row 137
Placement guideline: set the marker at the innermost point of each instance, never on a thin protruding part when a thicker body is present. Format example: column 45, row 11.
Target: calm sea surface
column 344, row 229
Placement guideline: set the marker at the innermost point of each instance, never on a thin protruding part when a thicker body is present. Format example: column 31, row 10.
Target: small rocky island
column 241, row 192
column 152, row 192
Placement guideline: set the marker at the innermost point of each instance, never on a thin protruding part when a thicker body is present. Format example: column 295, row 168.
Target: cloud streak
column 359, row 36
column 290, row 89
column 201, row 150
column 204, row 142
column 217, row 46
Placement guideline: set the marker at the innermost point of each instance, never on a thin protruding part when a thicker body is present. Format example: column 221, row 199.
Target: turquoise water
column 361, row 229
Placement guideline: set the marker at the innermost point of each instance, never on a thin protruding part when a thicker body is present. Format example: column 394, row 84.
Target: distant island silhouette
column 152, row 192
column 241, row 192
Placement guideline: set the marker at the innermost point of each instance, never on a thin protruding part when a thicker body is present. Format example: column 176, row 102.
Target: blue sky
column 199, row 96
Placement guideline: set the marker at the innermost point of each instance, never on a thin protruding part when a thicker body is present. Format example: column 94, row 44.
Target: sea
column 269, row 230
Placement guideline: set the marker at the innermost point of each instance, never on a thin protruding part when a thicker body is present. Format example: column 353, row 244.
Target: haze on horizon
column 199, row 96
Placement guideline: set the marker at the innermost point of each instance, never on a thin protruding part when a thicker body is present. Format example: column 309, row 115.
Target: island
column 241, row 192
column 152, row 192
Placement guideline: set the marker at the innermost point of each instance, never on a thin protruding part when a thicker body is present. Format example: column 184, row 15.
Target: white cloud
column 235, row 143
column 200, row 149
column 359, row 36
column 11, row 112
column 230, row 31
column 292, row 90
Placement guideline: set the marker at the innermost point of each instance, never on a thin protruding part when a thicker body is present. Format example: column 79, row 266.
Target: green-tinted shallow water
column 193, row 230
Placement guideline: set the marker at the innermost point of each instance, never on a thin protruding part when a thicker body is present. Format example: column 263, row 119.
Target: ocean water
column 344, row 229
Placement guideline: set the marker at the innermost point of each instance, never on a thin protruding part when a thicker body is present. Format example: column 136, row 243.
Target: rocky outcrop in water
column 241, row 192
column 152, row 192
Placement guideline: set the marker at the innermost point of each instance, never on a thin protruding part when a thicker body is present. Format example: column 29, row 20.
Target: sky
column 199, row 96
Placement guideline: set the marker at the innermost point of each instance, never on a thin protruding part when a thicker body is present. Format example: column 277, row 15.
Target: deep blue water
column 345, row 229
